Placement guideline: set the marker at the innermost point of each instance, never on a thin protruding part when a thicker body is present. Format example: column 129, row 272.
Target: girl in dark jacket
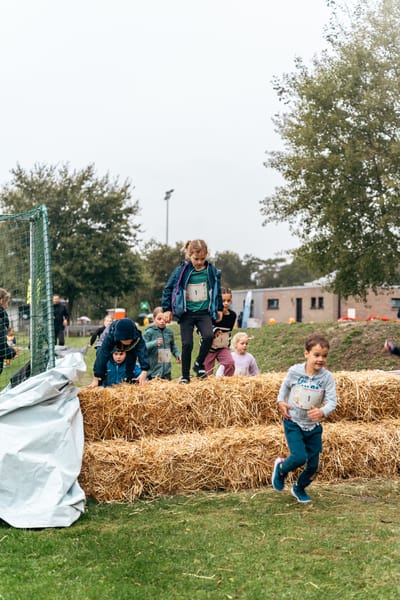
column 193, row 295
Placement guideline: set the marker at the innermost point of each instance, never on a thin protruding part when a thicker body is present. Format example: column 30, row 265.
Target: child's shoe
column 278, row 479
column 199, row 370
column 300, row 494
column 184, row 380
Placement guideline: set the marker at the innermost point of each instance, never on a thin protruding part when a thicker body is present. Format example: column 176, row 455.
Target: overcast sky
column 166, row 93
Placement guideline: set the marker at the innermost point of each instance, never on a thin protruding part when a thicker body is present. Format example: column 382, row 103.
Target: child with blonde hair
column 192, row 295
column 245, row 363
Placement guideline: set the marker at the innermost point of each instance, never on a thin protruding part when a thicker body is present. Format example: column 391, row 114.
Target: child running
column 222, row 336
column 307, row 395
column 160, row 344
column 193, row 295
column 245, row 363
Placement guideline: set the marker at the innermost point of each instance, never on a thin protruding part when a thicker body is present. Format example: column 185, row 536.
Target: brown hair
column 4, row 295
column 314, row 339
column 157, row 311
column 226, row 291
column 193, row 246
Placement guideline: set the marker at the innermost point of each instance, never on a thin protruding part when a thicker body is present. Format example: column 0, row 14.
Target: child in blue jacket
column 192, row 294
column 116, row 369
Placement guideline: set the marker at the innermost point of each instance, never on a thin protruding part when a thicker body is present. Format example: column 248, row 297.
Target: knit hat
column 125, row 329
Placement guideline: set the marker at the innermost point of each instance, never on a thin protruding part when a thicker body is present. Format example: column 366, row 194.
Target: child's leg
column 313, row 442
column 295, row 441
column 225, row 358
column 209, row 362
column 186, row 327
column 204, row 325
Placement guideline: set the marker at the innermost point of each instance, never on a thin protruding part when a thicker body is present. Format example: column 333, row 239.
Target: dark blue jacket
column 116, row 373
column 138, row 350
column 174, row 297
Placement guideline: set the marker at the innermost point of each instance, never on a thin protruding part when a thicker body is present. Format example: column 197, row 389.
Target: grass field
column 249, row 545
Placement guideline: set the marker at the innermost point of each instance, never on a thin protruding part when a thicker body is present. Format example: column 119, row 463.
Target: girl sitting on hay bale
column 307, row 394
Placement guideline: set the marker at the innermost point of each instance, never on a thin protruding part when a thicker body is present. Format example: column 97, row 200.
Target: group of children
column 193, row 296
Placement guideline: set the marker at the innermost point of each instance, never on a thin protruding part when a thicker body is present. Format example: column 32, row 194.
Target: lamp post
column 166, row 198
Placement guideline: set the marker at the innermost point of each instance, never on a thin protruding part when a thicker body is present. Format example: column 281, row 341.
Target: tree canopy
column 341, row 156
column 92, row 228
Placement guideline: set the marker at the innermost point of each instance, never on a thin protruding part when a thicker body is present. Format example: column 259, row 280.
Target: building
column 312, row 303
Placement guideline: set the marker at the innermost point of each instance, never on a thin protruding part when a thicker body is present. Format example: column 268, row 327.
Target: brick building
column 313, row 303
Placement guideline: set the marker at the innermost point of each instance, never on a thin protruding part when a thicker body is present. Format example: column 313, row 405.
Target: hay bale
column 231, row 459
column 161, row 407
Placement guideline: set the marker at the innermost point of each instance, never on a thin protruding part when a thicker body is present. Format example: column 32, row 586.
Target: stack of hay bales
column 225, row 433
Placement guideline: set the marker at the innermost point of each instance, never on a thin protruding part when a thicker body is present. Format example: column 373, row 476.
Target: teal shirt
column 198, row 291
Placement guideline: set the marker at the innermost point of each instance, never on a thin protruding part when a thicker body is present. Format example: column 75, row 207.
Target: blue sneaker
column 278, row 479
column 300, row 494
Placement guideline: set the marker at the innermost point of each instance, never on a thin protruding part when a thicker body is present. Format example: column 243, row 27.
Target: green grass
column 247, row 545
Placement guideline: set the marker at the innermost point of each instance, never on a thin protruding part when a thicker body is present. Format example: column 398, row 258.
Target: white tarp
column 41, row 448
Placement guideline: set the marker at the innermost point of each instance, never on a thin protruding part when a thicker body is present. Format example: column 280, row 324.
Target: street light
column 166, row 198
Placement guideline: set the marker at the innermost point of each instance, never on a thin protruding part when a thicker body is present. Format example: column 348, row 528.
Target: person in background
column 116, row 369
column 60, row 320
column 122, row 335
column 391, row 348
column 306, row 396
column 193, row 295
column 97, row 337
column 11, row 341
column 245, row 363
column 160, row 344
column 222, row 337
column 7, row 352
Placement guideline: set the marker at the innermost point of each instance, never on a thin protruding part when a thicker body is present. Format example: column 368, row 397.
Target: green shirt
column 198, row 291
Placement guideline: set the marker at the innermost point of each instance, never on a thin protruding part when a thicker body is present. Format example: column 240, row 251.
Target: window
column 317, row 302
column 395, row 303
column 272, row 304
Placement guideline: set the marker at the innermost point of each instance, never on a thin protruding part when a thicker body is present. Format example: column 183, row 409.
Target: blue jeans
column 305, row 448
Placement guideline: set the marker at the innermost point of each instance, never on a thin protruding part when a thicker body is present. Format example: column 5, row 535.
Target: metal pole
column 166, row 198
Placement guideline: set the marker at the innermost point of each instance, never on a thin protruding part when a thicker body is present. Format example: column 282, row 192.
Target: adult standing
column 61, row 317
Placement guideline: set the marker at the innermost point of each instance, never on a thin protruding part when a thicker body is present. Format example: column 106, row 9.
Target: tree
column 159, row 260
column 235, row 272
column 341, row 157
column 92, row 229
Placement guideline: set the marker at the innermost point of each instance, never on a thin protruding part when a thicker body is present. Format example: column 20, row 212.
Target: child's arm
column 283, row 395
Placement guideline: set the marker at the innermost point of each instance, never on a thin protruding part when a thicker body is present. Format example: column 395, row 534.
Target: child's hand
column 315, row 414
column 168, row 316
column 95, row 383
column 178, row 359
column 220, row 314
column 142, row 379
column 284, row 409
column 159, row 341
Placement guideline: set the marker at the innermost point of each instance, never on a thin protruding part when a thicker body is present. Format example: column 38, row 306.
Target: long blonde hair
column 193, row 246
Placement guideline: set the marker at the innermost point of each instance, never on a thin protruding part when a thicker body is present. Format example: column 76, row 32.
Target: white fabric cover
column 41, row 448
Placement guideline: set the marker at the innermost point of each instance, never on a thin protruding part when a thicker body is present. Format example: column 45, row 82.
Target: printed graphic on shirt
column 306, row 395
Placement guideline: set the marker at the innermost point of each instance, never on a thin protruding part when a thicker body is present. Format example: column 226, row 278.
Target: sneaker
column 388, row 346
column 199, row 370
column 300, row 494
column 278, row 479
column 184, row 380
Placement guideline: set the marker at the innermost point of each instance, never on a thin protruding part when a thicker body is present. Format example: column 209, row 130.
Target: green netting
column 25, row 272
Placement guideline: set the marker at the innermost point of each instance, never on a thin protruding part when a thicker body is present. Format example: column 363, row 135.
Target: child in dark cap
column 125, row 336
